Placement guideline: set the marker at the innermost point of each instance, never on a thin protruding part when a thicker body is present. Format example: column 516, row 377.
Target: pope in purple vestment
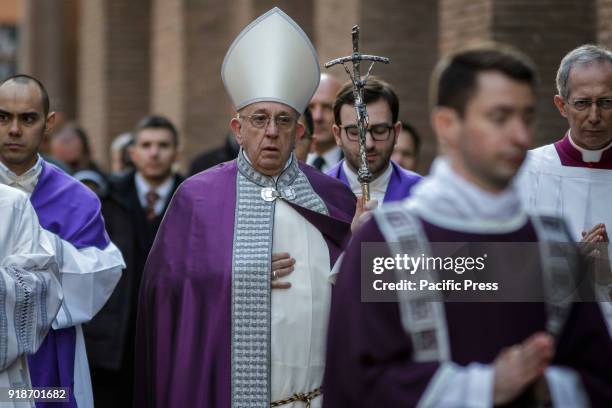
column 184, row 326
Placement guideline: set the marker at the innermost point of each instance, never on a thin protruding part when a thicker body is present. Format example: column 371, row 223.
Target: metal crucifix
column 364, row 175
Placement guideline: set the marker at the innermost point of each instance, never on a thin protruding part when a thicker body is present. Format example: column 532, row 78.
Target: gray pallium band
column 557, row 264
column 251, row 258
column 423, row 315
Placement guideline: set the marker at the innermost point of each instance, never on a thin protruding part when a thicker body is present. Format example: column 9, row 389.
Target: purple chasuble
column 572, row 157
column 399, row 187
column 70, row 210
column 369, row 355
column 183, row 340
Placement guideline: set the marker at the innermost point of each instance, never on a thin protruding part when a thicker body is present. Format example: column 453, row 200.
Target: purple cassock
column 572, row 157
column 370, row 357
column 183, row 341
column 70, row 210
column 400, row 184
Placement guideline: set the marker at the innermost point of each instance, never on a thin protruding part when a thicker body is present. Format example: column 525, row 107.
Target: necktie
column 151, row 198
column 318, row 163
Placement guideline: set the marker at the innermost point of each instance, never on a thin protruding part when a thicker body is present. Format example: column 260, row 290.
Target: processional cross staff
column 364, row 175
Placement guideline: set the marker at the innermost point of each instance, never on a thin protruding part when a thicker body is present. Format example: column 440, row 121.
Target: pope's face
column 267, row 131
column 489, row 143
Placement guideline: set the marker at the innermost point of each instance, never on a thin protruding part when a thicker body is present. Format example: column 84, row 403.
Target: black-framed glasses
column 585, row 104
column 261, row 120
column 379, row 132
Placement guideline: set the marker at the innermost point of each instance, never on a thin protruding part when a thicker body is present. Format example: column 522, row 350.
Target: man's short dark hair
column 27, row 79
column 416, row 138
column 156, row 122
column 454, row 80
column 374, row 90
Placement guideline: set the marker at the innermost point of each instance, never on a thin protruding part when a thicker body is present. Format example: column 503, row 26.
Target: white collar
column 588, row 156
column 446, row 199
column 163, row 190
column 246, row 156
column 25, row 182
column 378, row 186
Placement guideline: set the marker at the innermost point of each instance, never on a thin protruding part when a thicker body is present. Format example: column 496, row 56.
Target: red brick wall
column 407, row 33
column 545, row 30
column 464, row 22
column 168, row 60
column 333, row 20
column 114, row 69
column 53, row 62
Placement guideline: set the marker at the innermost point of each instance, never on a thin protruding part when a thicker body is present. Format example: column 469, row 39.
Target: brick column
column 190, row 40
column 464, row 22
column 48, row 49
column 604, row 22
column 113, row 69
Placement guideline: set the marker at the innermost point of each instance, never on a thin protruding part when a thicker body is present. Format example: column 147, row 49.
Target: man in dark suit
column 133, row 210
column 210, row 158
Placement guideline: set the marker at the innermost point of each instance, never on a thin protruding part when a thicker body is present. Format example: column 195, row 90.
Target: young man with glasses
column 391, row 182
column 572, row 178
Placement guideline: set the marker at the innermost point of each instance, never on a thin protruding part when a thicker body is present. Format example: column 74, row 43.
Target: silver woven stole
column 557, row 264
column 422, row 313
column 256, row 196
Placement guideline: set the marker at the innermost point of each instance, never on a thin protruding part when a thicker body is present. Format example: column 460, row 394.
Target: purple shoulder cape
column 183, row 340
column 70, row 210
column 366, row 370
column 571, row 157
column 400, row 184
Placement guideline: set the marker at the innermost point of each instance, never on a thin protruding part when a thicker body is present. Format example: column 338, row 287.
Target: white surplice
column 300, row 313
column 580, row 195
column 30, row 293
column 88, row 277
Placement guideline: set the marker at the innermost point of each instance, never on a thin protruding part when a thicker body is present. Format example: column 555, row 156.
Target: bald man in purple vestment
column 89, row 265
column 411, row 353
column 572, row 178
column 391, row 182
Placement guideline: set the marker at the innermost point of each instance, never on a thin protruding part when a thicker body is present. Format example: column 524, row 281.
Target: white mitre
column 272, row 59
